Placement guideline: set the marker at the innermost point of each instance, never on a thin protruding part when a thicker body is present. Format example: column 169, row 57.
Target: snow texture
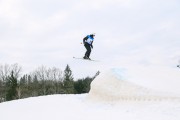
column 113, row 86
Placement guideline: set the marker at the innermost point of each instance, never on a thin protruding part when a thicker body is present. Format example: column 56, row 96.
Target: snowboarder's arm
column 85, row 39
column 92, row 44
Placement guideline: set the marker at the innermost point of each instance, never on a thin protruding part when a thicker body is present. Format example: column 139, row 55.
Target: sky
column 50, row 32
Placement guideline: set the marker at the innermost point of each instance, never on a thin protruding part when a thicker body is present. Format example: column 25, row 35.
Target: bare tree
column 43, row 73
column 48, row 77
column 16, row 69
column 5, row 71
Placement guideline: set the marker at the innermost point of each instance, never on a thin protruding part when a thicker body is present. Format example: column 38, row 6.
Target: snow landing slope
column 75, row 107
column 113, row 86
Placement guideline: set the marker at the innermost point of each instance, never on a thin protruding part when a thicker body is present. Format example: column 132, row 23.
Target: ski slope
column 112, row 97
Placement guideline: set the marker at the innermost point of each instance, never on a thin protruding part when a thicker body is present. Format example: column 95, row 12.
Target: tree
column 43, row 81
column 68, row 74
column 68, row 81
column 12, row 87
column 83, row 85
column 2, row 91
column 46, row 79
column 6, row 71
column 79, row 86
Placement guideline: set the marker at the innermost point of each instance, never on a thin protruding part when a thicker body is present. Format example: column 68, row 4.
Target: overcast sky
column 128, row 32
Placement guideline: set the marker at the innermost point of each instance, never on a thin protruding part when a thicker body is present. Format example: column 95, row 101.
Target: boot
column 85, row 57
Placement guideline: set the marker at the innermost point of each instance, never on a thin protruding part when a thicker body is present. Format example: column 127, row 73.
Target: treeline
column 42, row 81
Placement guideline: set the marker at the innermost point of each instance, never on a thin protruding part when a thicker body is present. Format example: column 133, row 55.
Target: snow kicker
column 110, row 87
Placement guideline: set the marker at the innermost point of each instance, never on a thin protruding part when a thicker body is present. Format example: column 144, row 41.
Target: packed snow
column 75, row 107
column 115, row 85
column 103, row 102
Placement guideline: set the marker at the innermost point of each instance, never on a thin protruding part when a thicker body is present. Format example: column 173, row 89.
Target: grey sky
column 128, row 32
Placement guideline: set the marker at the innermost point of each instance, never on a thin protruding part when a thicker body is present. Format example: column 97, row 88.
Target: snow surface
column 75, row 107
column 114, row 86
column 84, row 107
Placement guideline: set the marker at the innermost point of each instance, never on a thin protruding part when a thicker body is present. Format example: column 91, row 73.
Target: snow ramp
column 113, row 86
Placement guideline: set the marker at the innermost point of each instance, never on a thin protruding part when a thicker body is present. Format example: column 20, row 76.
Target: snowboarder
column 88, row 41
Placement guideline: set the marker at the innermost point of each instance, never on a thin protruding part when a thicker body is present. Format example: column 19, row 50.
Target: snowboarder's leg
column 88, row 51
column 85, row 56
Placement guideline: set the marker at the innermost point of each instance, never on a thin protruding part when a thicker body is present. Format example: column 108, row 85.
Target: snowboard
column 85, row 59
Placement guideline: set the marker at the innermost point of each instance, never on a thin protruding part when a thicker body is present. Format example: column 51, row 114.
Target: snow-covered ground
column 75, row 107
column 112, row 97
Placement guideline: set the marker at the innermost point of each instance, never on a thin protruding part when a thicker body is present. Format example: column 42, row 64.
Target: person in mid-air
column 88, row 41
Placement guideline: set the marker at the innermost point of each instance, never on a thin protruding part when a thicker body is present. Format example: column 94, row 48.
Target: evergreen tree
column 2, row 91
column 68, row 74
column 68, row 81
column 12, row 87
column 83, row 85
column 79, row 86
column 40, row 82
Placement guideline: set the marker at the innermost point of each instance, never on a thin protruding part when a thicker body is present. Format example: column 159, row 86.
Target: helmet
column 93, row 34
